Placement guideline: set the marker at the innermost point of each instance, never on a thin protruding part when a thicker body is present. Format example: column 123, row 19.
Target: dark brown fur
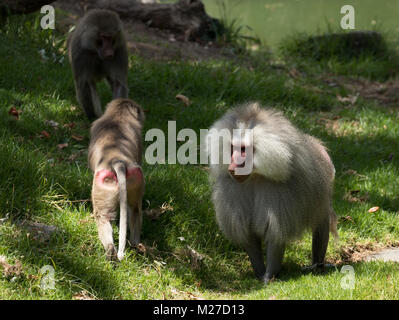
column 97, row 50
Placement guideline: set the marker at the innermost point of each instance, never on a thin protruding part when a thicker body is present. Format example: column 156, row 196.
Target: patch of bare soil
column 385, row 93
column 386, row 255
column 146, row 41
column 357, row 252
column 38, row 231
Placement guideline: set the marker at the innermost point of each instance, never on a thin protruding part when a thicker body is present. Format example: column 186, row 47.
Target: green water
column 271, row 20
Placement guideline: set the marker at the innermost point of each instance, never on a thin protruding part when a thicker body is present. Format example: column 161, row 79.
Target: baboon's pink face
column 241, row 163
column 238, row 160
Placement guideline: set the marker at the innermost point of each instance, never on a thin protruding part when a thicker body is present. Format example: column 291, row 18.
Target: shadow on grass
column 366, row 156
column 76, row 265
column 365, row 53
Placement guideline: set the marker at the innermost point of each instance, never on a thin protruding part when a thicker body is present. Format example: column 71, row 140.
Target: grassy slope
column 43, row 183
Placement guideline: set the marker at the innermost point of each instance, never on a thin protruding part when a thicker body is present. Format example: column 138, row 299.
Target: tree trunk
column 186, row 18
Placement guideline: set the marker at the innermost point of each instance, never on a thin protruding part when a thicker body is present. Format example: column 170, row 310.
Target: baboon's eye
column 242, row 149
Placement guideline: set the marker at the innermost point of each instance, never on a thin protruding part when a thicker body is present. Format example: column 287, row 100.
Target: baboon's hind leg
column 104, row 228
column 321, row 235
column 135, row 222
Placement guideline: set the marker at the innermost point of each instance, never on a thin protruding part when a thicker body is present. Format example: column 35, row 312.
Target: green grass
column 274, row 20
column 365, row 54
column 232, row 33
column 43, row 183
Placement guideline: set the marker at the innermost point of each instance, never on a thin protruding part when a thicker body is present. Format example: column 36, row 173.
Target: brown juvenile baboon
column 97, row 50
column 115, row 158
column 287, row 190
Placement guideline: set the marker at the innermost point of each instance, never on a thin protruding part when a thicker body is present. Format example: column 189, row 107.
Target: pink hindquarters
column 134, row 179
column 106, row 177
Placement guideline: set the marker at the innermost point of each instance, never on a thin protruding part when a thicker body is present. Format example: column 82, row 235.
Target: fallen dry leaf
column 145, row 249
column 76, row 137
column 141, row 248
column 183, row 99
column 347, row 218
column 166, row 207
column 155, row 213
column 198, row 284
column 350, row 98
column 9, row 269
column 33, row 277
column 14, row 112
column 62, row 146
column 45, row 134
column 179, row 294
column 69, row 125
column 374, row 209
column 83, row 295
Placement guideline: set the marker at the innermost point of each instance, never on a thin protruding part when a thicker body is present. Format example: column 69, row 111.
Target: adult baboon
column 287, row 190
column 97, row 50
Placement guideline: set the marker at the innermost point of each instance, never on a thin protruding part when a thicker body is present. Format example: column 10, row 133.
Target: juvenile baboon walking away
column 97, row 50
column 288, row 190
column 115, row 158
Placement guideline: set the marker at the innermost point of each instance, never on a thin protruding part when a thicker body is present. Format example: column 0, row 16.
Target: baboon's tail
column 120, row 170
